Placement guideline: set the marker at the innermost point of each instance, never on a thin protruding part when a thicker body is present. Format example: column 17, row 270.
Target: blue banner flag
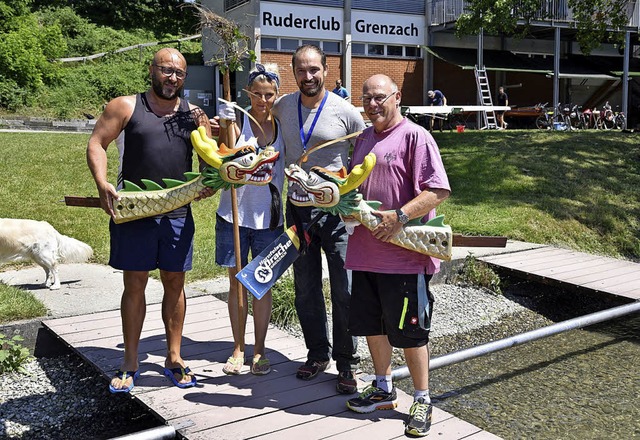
column 264, row 270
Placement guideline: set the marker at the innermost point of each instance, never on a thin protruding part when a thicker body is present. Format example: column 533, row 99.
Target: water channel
column 582, row 384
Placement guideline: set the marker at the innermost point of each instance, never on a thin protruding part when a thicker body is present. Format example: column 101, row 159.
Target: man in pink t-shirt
column 390, row 301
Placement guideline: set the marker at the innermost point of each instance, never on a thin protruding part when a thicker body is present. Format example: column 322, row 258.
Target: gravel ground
column 63, row 398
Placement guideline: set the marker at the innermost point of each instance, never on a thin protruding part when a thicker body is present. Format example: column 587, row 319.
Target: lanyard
column 303, row 138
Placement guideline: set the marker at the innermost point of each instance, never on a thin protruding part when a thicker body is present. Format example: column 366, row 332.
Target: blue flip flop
column 171, row 372
column 123, row 375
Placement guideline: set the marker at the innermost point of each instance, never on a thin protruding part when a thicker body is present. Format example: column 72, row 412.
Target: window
column 394, row 51
column 313, row 42
column 288, row 44
column 230, row 4
column 390, row 50
column 269, row 43
column 331, row 46
column 412, row 51
column 375, row 49
column 357, row 49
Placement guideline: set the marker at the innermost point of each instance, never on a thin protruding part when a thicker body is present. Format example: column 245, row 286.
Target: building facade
column 413, row 42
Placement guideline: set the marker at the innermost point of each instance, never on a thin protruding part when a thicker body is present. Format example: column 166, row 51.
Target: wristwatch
column 402, row 217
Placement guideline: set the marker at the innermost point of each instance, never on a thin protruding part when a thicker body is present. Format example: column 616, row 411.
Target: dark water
column 583, row 384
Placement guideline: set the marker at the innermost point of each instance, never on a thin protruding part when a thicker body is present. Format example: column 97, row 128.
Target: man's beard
column 318, row 87
column 158, row 88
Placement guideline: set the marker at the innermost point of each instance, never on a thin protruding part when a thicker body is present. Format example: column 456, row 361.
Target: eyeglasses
column 168, row 71
column 265, row 98
column 379, row 99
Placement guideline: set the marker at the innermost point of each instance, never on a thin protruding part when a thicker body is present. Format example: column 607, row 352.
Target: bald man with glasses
column 390, row 300
column 152, row 133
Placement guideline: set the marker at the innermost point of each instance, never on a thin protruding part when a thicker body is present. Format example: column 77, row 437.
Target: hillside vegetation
column 34, row 34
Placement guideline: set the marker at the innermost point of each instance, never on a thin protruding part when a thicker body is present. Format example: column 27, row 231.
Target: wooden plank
column 479, row 241
column 151, row 326
column 344, row 423
column 529, row 261
column 220, row 412
column 573, row 267
column 604, row 277
column 631, row 290
column 151, row 308
column 519, row 255
column 612, row 284
column 565, row 259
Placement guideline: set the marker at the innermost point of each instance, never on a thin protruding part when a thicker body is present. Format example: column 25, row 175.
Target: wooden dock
column 275, row 406
column 571, row 270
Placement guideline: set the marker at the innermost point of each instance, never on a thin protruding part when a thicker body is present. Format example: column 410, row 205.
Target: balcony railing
column 552, row 11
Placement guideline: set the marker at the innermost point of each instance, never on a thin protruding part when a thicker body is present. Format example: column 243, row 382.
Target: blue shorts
column 255, row 240
column 153, row 243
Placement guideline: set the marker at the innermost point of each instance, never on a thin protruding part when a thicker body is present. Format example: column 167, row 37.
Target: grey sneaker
column 373, row 398
column 347, row 383
column 419, row 422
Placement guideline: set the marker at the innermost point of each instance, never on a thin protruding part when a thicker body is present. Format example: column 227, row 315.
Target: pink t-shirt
column 407, row 162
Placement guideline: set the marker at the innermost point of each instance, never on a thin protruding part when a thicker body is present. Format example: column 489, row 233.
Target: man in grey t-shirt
column 309, row 118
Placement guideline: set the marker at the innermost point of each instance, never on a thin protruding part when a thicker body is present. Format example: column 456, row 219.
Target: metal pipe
column 164, row 432
column 501, row 344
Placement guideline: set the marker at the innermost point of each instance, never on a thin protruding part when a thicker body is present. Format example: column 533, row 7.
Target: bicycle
column 619, row 120
column 545, row 120
column 605, row 119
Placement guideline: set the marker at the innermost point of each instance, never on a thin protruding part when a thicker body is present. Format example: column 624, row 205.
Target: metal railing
column 447, row 11
column 501, row 344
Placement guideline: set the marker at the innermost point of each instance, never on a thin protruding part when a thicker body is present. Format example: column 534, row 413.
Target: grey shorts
column 397, row 305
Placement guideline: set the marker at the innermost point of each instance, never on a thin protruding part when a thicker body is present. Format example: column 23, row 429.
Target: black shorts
column 389, row 304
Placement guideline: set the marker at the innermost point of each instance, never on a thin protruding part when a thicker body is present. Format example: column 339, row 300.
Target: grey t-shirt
column 338, row 118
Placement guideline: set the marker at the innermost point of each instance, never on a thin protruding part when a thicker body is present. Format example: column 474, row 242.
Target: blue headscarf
column 260, row 70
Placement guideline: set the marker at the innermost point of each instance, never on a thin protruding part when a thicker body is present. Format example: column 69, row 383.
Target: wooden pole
column 231, row 142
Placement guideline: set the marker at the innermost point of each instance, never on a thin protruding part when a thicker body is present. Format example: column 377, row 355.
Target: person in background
column 315, row 116
column 503, row 99
column 436, row 98
column 340, row 91
column 257, row 227
column 152, row 132
column 391, row 304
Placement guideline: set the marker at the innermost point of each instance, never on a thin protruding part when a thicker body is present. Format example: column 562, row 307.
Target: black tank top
column 156, row 147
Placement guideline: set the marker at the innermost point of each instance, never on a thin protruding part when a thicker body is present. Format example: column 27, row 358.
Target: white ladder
column 484, row 93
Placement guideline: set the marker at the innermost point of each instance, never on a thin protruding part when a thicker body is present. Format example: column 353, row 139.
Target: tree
column 597, row 21
column 163, row 17
column 10, row 10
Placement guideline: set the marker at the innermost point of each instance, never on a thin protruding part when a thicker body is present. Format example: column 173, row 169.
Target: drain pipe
column 501, row 344
column 165, row 432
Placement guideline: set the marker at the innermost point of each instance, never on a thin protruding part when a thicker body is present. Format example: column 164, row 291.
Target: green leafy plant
column 12, row 354
column 477, row 273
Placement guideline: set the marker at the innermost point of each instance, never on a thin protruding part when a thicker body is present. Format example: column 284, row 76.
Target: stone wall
column 46, row 124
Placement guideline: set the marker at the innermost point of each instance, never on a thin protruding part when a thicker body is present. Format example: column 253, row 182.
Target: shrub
column 12, row 354
column 477, row 273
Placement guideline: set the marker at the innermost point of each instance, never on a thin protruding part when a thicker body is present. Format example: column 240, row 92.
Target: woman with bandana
column 259, row 223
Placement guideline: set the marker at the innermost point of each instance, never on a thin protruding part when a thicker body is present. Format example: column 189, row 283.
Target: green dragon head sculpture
column 239, row 166
column 226, row 168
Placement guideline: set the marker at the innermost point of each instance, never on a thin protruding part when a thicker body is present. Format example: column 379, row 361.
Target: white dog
column 38, row 241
